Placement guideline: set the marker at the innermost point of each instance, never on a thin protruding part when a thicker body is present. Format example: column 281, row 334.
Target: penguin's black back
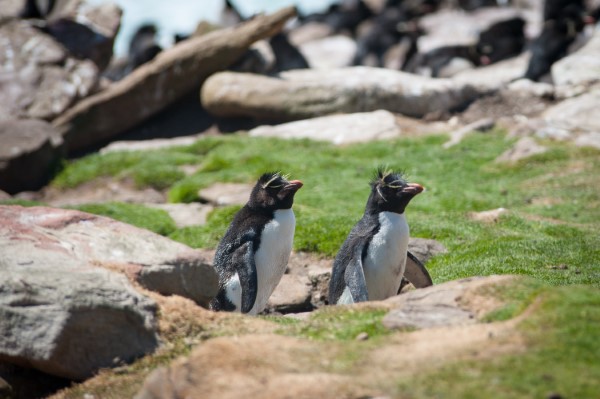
column 247, row 225
column 359, row 238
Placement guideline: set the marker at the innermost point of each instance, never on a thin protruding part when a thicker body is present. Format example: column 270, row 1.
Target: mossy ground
column 553, row 198
column 550, row 234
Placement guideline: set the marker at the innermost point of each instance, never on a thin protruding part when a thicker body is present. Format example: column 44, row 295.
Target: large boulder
column 68, row 319
column 30, row 150
column 302, row 94
column 47, row 237
column 162, row 81
column 38, row 79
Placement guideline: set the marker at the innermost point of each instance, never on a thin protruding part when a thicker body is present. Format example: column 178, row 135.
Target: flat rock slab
column 223, row 194
column 577, row 114
column 436, row 306
column 302, row 94
column 185, row 215
column 337, row 129
column 37, row 235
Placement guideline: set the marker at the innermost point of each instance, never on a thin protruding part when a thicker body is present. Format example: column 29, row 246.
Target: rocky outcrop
column 302, row 94
column 31, row 149
column 67, row 319
column 436, row 306
column 338, row 129
column 46, row 237
column 38, row 78
column 162, row 81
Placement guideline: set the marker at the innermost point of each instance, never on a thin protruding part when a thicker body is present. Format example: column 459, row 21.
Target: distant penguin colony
column 253, row 254
column 371, row 263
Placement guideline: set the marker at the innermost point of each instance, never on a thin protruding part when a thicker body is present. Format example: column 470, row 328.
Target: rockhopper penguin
column 371, row 262
column 253, row 254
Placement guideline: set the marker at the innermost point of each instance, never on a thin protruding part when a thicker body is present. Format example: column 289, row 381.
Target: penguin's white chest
column 273, row 254
column 386, row 258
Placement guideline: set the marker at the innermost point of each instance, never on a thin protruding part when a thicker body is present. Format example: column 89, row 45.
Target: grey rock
column 457, row 136
column 38, row 235
column 330, row 52
column 185, row 215
column 581, row 67
column 575, row 114
column 302, row 94
column 292, row 295
column 31, row 149
column 338, row 129
column 591, row 139
column 425, row 248
column 157, row 84
column 86, row 30
column 223, row 194
column 433, row 306
column 37, row 77
column 10, row 9
column 149, row 145
column 524, row 148
column 62, row 314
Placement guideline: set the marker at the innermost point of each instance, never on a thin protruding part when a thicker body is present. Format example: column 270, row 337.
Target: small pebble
column 363, row 336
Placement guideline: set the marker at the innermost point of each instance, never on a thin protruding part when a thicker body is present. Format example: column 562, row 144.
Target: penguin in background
column 253, row 254
column 372, row 261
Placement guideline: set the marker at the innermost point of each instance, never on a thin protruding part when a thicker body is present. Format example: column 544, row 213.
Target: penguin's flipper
column 247, row 274
column 416, row 273
column 354, row 277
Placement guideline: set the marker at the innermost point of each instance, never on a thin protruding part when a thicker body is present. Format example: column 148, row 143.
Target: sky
column 182, row 16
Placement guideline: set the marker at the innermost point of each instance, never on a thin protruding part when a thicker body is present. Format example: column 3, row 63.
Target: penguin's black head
column 273, row 191
column 391, row 192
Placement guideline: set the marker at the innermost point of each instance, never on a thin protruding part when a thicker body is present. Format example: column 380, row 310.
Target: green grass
column 562, row 357
column 553, row 198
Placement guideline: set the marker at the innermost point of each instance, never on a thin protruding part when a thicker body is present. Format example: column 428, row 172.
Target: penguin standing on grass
column 253, row 254
column 371, row 262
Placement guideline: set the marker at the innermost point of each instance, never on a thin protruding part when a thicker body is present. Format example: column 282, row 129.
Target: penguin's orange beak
column 413, row 188
column 293, row 185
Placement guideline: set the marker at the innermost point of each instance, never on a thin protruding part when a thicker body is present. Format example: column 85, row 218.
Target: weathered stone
column 62, row 315
column 86, row 30
column 523, row 148
column 457, row 136
column 37, row 78
column 424, row 248
column 591, row 139
column 576, row 114
column 292, row 295
column 302, row 94
column 30, row 150
column 434, row 306
column 162, row 81
column 338, row 129
column 330, row 52
column 581, row 67
column 148, row 145
column 10, row 9
column 39, row 235
column 223, row 194
column 185, row 215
